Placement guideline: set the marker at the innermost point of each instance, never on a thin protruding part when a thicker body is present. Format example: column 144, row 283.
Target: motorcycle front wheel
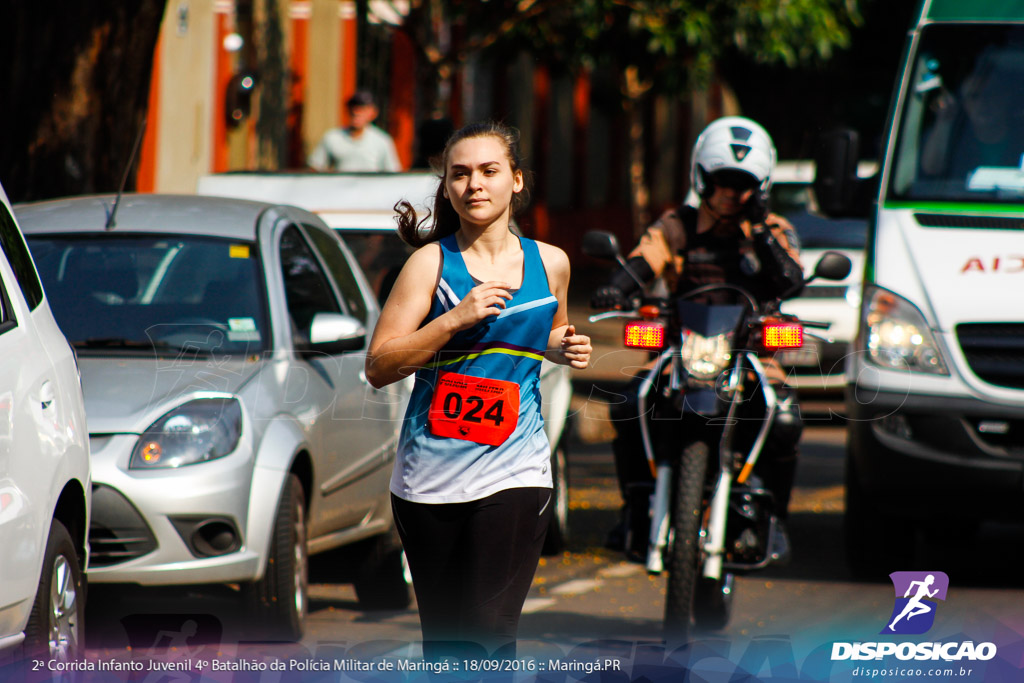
column 684, row 551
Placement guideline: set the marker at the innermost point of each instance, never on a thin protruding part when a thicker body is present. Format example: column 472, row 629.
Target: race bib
column 474, row 408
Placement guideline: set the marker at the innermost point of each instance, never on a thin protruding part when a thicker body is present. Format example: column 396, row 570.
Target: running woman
column 473, row 313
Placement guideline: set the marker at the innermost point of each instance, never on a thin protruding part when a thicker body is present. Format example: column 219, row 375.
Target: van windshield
column 961, row 137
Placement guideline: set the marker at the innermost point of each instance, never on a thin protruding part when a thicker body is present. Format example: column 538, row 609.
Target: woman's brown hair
column 442, row 219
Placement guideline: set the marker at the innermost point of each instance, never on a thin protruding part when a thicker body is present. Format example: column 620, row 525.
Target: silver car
column 233, row 432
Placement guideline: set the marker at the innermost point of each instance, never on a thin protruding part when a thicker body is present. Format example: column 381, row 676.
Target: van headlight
column 198, row 431
column 896, row 335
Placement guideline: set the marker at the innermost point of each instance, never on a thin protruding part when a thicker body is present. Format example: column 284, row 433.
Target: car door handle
column 46, row 395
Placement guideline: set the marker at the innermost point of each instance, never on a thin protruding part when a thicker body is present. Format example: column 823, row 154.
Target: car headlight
column 706, row 357
column 897, row 336
column 198, row 431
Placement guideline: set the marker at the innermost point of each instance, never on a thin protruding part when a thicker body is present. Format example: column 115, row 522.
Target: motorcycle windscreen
column 709, row 321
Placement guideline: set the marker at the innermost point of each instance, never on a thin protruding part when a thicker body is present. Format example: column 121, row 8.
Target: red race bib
column 474, row 408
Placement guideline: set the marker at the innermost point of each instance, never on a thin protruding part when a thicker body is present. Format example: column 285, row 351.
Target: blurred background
column 608, row 94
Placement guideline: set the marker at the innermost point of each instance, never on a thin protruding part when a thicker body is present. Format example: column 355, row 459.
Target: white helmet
column 733, row 143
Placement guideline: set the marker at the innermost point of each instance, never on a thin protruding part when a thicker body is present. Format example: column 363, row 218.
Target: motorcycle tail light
column 782, row 336
column 645, row 334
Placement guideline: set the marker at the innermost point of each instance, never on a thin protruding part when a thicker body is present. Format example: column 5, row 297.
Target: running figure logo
column 914, row 612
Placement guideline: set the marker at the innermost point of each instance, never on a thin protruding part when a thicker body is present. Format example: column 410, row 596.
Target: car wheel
column 280, row 599
column 558, row 531
column 55, row 625
column 384, row 581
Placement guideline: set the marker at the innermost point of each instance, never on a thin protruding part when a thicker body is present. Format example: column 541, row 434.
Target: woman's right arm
column 400, row 346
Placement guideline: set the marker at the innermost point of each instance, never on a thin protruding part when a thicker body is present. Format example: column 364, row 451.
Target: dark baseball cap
column 360, row 98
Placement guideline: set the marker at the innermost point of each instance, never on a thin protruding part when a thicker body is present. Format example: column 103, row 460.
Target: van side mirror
column 835, row 180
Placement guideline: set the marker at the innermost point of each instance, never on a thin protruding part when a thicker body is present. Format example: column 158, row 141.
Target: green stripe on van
column 976, row 10
column 955, row 207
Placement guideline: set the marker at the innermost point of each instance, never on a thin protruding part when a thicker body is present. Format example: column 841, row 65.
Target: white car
column 820, row 365
column 45, row 487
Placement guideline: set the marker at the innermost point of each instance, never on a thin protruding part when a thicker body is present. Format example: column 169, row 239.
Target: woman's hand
column 575, row 348
column 482, row 302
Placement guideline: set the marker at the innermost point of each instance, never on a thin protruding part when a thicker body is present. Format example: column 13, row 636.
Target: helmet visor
column 741, row 181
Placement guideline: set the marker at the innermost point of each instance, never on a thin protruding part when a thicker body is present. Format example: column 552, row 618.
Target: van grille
column 994, row 352
column 942, row 220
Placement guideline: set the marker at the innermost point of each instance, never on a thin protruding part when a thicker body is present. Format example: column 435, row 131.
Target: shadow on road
column 148, row 619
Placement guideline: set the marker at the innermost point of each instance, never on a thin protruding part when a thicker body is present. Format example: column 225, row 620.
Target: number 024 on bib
column 474, row 408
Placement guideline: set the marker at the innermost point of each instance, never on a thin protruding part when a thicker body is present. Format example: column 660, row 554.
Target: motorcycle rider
column 729, row 238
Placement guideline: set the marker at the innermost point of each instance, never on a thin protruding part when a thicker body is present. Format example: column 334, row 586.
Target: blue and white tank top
column 508, row 347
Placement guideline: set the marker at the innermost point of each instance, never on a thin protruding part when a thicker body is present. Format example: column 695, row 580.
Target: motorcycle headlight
column 198, row 431
column 897, row 336
column 706, row 357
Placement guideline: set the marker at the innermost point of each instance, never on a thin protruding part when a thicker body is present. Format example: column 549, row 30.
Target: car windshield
column 961, row 136
column 163, row 294
column 794, row 201
column 381, row 255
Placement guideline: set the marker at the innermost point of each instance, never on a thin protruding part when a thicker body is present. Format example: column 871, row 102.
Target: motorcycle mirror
column 833, row 266
column 601, row 244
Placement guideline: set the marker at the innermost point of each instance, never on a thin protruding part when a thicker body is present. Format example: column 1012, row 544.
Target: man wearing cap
column 361, row 146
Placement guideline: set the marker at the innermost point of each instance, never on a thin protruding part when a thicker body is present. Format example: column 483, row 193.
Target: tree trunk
column 76, row 85
column 640, row 194
column 272, row 80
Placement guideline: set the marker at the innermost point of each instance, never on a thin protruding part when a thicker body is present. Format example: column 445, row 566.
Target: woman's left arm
column 564, row 345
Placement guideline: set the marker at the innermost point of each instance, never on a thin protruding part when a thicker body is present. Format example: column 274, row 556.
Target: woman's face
column 479, row 180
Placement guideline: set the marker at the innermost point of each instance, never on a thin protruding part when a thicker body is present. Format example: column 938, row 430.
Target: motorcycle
column 705, row 408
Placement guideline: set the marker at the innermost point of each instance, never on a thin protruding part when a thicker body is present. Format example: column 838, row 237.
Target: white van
column 936, row 377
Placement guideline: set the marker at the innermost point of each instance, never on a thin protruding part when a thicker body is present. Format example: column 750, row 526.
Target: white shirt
column 374, row 150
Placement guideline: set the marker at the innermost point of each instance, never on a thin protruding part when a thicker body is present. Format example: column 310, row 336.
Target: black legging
column 472, row 565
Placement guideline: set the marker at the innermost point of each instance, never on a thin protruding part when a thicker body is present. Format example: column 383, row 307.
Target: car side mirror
column 833, row 265
column 333, row 333
column 602, row 245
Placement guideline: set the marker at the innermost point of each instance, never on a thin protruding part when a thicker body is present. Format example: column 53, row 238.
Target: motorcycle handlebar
column 609, row 315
